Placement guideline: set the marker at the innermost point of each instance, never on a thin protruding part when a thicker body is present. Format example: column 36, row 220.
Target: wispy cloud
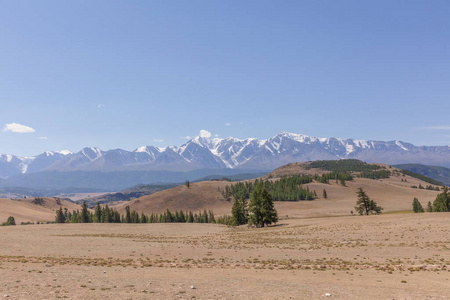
column 437, row 127
column 100, row 106
column 227, row 124
column 43, row 138
column 17, row 128
column 158, row 141
column 186, row 137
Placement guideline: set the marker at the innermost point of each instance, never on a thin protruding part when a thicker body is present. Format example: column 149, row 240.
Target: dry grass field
column 317, row 250
column 392, row 256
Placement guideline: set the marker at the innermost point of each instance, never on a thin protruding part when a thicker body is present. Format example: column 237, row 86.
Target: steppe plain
column 317, row 250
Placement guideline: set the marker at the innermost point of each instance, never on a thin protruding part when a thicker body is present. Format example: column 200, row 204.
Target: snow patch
column 349, row 149
column 400, row 145
column 65, row 152
column 142, row 149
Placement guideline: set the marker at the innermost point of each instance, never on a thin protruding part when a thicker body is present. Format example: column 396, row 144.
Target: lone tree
column 365, row 205
column 325, row 194
column 417, row 207
column 188, row 184
column 261, row 209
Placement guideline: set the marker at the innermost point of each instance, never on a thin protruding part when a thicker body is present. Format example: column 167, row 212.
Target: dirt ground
column 390, row 256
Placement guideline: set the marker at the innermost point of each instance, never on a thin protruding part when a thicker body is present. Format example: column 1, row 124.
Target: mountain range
column 214, row 154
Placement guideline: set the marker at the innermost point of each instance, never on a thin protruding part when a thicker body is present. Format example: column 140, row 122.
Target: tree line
column 108, row 215
column 284, row 189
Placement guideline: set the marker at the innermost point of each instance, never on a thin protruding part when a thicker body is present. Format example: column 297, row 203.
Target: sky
column 124, row 74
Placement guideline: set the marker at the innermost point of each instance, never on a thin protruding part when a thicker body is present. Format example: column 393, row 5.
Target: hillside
column 30, row 210
column 126, row 194
column 438, row 173
column 393, row 194
column 199, row 196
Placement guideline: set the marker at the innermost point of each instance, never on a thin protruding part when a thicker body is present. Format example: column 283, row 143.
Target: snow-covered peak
column 64, row 152
column 143, row 149
column 92, row 153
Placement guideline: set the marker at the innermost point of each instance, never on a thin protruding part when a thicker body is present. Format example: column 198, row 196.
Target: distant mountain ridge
column 204, row 152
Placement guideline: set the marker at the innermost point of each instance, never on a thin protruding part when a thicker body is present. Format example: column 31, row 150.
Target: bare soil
column 391, row 256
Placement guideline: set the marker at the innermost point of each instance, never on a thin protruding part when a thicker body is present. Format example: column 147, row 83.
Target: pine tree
column 97, row 213
column 84, row 213
column 442, row 201
column 261, row 208
column 144, row 218
column 60, row 217
column 238, row 211
column 417, row 207
column 325, row 196
column 182, row 217
column 190, row 218
column 365, row 205
column 127, row 215
column 188, row 184
column 429, row 207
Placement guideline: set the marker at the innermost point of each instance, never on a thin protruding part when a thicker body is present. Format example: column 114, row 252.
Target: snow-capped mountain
column 204, row 152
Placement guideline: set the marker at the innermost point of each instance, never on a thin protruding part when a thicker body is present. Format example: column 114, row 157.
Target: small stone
column 192, row 287
column 327, row 295
column 104, row 272
column 6, row 295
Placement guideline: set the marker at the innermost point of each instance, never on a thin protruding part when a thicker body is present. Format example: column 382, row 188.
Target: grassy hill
column 394, row 194
column 33, row 209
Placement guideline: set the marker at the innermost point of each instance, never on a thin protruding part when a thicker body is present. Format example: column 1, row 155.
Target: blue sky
column 123, row 74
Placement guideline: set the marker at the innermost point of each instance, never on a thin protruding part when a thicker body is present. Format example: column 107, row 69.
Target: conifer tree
column 365, row 205
column 127, row 215
column 97, row 213
column 442, row 201
column 84, row 213
column 417, row 207
column 190, row 218
column 11, row 221
column 60, row 217
column 325, row 196
column 429, row 207
column 261, row 208
column 238, row 211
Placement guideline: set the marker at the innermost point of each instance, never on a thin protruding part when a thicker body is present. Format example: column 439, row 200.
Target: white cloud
column 227, row 124
column 205, row 134
column 43, row 138
column 100, row 106
column 186, row 137
column 438, row 127
column 158, row 141
column 17, row 128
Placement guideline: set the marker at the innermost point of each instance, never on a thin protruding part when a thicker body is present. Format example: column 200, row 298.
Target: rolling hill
column 393, row 194
column 30, row 210
column 438, row 173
